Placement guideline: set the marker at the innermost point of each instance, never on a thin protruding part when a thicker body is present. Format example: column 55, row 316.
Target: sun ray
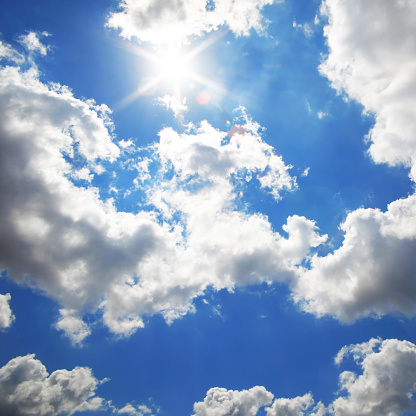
column 171, row 66
column 137, row 93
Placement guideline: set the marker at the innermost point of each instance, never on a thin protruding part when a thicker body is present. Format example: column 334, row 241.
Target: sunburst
column 171, row 67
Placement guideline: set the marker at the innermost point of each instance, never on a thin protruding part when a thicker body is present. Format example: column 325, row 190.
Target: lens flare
column 203, row 98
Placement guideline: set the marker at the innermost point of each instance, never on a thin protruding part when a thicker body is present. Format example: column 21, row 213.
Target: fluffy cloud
column 297, row 406
column 373, row 59
column 386, row 386
column 26, row 388
column 32, row 42
column 7, row 52
column 58, row 233
column 177, row 106
column 372, row 272
column 212, row 242
column 141, row 410
column 223, row 402
column 61, row 236
column 173, row 22
column 6, row 315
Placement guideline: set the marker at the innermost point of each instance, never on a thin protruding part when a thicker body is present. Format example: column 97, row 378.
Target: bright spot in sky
column 174, row 66
column 203, row 98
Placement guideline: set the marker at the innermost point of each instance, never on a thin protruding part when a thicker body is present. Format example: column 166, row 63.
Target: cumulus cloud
column 177, row 106
column 223, row 402
column 305, row 28
column 32, row 42
column 212, row 242
column 372, row 272
column 173, row 22
column 298, row 406
column 386, row 386
column 6, row 315
column 8, row 53
column 372, row 58
column 26, row 388
column 73, row 326
column 140, row 410
column 77, row 248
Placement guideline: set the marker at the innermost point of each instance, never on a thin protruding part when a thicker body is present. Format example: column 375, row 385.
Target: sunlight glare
column 174, row 65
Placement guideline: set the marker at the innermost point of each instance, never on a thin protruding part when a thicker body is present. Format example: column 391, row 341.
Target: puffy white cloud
column 80, row 250
column 306, row 28
column 223, row 402
column 128, row 409
column 6, row 315
column 177, row 106
column 7, row 52
column 140, row 410
column 73, row 326
column 32, row 42
column 63, row 237
column 212, row 243
column 26, row 388
column 164, row 22
column 372, row 272
column 386, row 386
column 298, row 406
column 372, row 58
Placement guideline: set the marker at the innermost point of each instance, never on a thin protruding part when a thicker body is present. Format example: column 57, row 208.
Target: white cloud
column 73, row 326
column 128, row 409
column 223, row 402
column 372, row 272
column 32, row 42
column 177, row 106
column 373, row 60
column 387, row 384
column 306, row 28
column 7, row 52
column 140, row 410
column 165, row 22
column 81, row 251
column 385, row 387
column 6, row 315
column 298, row 406
column 26, row 388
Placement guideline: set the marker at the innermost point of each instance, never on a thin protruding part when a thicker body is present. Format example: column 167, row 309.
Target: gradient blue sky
column 175, row 265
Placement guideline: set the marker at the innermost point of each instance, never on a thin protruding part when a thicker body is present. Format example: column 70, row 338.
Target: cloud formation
column 371, row 60
column 9, row 53
column 372, row 273
column 386, row 386
column 61, row 236
column 26, row 388
column 222, row 402
column 165, row 22
column 32, row 42
column 6, row 315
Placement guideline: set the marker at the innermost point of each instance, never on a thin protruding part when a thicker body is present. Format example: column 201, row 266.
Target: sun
column 172, row 67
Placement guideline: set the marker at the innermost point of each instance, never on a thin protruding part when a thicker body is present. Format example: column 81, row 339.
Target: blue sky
column 208, row 207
